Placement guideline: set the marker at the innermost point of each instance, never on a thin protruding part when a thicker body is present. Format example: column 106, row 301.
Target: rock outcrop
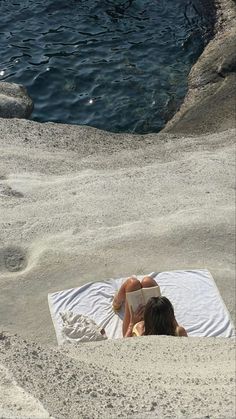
column 210, row 103
column 14, row 101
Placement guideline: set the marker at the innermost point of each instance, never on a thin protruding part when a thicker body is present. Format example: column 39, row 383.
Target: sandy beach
column 78, row 205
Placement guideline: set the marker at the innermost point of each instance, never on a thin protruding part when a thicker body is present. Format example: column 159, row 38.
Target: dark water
column 116, row 65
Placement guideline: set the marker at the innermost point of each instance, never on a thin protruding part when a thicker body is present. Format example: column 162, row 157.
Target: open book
column 135, row 298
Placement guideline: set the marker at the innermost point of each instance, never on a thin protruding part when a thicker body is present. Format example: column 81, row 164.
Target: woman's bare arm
column 129, row 331
column 135, row 317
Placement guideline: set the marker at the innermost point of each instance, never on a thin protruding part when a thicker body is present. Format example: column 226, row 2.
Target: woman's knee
column 132, row 284
column 147, row 282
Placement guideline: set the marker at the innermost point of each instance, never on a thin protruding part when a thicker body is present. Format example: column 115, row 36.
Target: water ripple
column 118, row 65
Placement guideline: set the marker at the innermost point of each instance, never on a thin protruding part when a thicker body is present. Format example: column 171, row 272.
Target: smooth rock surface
column 14, row 101
column 78, row 204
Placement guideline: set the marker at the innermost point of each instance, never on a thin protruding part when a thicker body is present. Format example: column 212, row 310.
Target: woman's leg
column 120, row 296
column 148, row 281
column 132, row 284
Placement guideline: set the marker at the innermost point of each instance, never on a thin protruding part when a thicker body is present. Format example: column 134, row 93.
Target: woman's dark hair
column 159, row 318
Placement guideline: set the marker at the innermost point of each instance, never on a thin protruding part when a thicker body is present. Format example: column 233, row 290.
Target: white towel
column 197, row 303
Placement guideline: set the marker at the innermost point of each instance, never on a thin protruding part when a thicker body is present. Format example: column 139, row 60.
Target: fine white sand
column 78, row 205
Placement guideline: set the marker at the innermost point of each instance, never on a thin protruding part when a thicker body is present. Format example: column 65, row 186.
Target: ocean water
column 117, row 65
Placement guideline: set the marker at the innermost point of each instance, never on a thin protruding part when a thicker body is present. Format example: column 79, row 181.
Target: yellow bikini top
column 136, row 331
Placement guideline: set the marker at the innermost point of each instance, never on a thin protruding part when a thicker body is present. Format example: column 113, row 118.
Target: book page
column 150, row 292
column 135, row 298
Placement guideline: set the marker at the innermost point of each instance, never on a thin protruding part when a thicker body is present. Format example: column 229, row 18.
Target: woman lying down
column 156, row 317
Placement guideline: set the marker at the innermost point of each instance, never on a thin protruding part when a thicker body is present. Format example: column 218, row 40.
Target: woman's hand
column 137, row 315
